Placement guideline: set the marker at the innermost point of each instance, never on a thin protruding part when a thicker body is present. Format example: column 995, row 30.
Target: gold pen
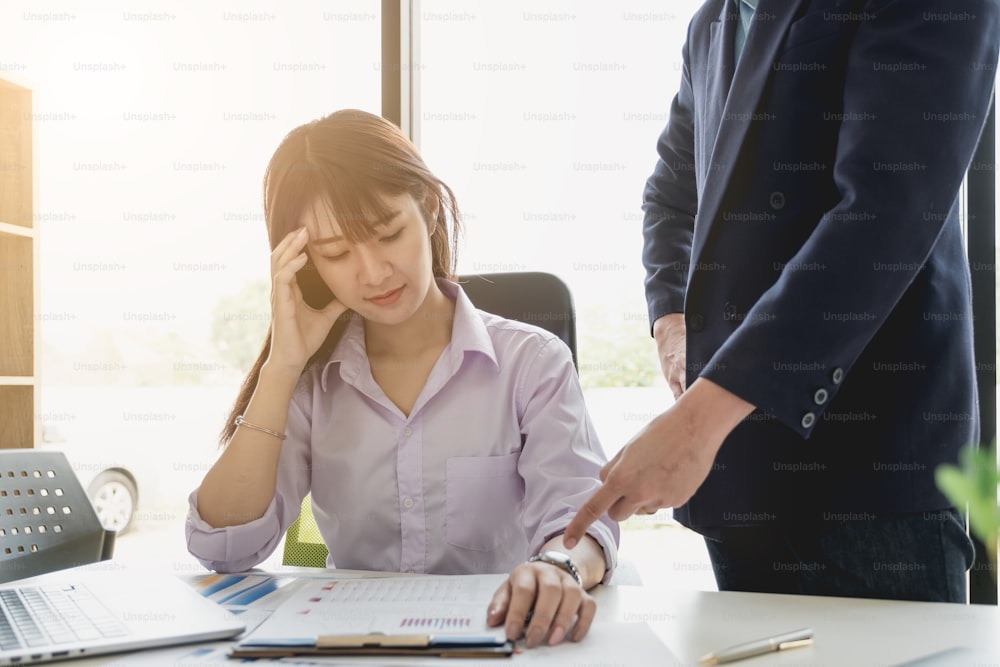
column 794, row 639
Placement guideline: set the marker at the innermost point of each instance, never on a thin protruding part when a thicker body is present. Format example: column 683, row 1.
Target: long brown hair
column 350, row 161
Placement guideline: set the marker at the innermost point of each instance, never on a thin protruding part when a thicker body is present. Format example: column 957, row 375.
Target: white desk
column 848, row 632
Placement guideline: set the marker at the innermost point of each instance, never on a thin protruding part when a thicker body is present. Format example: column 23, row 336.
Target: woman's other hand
column 555, row 603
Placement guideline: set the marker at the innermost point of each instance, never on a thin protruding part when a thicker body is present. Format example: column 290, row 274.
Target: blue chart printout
column 239, row 589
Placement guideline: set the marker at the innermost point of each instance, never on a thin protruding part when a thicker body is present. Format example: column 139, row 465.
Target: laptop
column 51, row 605
column 100, row 608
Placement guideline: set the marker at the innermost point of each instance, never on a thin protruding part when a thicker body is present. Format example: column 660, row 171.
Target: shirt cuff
column 232, row 548
column 606, row 535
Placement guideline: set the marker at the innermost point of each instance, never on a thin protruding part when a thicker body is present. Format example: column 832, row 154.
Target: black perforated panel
column 46, row 520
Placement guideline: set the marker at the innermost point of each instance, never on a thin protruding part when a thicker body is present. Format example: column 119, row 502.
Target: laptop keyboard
column 37, row 616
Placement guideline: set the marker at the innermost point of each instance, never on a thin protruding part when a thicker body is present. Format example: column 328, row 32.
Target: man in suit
column 809, row 294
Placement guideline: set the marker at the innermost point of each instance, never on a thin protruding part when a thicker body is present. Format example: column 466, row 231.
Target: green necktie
column 747, row 8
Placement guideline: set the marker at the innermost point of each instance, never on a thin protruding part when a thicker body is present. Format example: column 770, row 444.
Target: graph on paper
column 452, row 606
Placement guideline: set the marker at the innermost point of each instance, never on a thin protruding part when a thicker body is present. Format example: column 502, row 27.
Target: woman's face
column 384, row 279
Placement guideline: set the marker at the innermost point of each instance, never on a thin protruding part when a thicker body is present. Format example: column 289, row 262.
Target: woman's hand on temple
column 297, row 330
column 549, row 597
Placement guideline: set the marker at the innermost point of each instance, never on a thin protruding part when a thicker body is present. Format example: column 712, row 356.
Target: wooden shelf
column 18, row 380
column 17, row 405
column 17, row 300
column 19, row 340
column 16, row 170
column 16, row 230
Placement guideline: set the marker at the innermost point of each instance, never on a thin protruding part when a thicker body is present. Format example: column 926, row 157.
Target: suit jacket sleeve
column 669, row 206
column 923, row 84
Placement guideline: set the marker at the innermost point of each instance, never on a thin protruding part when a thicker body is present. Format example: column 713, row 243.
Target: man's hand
column 666, row 462
column 671, row 345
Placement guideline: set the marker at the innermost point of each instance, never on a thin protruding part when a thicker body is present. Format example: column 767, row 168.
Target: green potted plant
column 972, row 487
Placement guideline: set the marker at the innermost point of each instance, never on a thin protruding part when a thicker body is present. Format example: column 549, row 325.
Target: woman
column 433, row 437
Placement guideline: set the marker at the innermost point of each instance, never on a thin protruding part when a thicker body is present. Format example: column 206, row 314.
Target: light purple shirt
column 495, row 458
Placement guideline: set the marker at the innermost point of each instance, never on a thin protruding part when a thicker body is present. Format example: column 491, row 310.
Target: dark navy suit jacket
column 804, row 216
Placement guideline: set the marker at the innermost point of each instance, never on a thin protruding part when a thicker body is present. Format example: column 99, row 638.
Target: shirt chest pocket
column 484, row 501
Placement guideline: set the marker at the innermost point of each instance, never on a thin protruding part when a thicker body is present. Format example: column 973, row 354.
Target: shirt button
column 408, row 503
column 838, row 375
column 407, row 431
column 808, row 419
column 820, row 396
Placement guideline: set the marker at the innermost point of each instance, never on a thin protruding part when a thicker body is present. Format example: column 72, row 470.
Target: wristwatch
column 560, row 560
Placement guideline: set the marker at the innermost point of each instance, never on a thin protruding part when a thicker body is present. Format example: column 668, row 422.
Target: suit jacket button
column 838, row 375
column 695, row 322
column 808, row 419
column 820, row 396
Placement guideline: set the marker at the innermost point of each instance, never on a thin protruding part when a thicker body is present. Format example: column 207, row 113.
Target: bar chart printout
column 440, row 607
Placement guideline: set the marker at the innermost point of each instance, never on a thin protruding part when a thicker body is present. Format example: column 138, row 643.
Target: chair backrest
column 533, row 297
column 304, row 545
column 47, row 522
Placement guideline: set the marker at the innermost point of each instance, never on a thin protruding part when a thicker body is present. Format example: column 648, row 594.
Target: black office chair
column 47, row 522
column 533, row 297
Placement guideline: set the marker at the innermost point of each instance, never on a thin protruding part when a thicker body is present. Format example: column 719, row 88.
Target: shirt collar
column 468, row 334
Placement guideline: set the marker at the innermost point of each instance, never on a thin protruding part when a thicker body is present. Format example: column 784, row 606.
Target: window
column 153, row 125
column 545, row 127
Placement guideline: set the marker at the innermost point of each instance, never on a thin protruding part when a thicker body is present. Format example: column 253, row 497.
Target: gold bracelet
column 243, row 422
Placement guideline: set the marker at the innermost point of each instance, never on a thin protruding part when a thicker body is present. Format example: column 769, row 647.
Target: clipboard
column 430, row 615
column 377, row 643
